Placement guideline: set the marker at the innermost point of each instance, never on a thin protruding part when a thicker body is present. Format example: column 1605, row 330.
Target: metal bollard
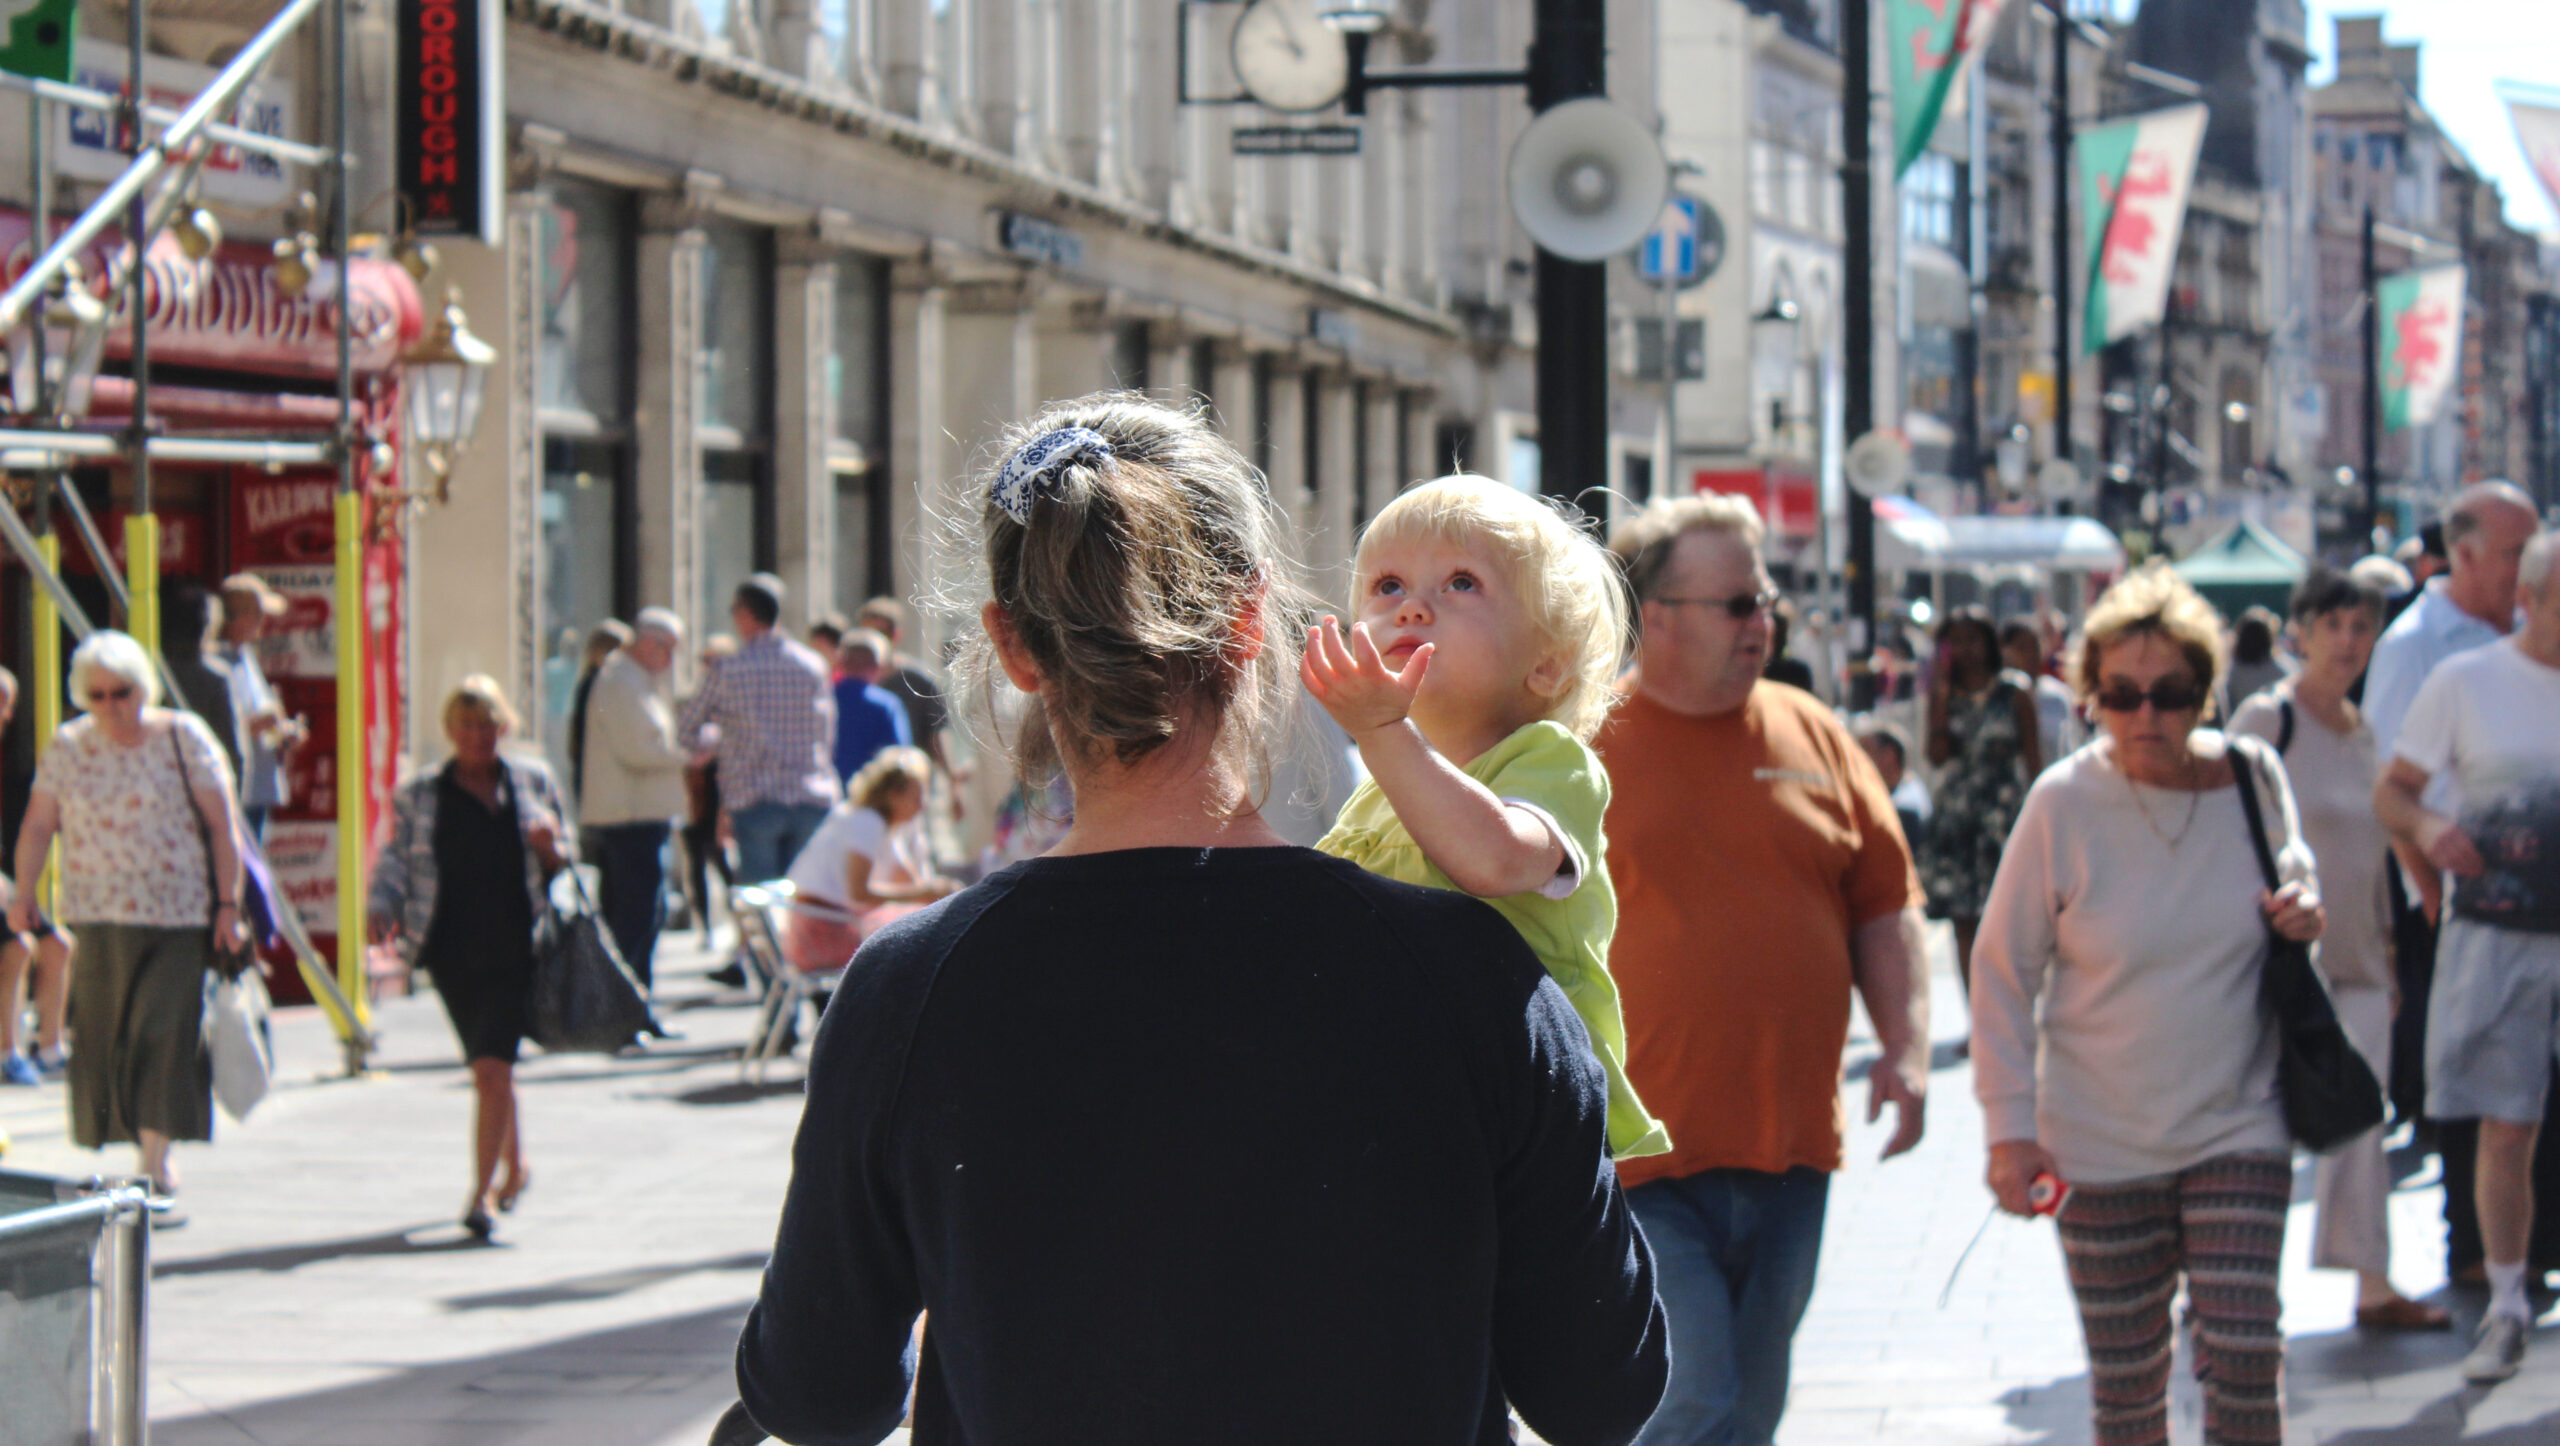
column 121, row 1267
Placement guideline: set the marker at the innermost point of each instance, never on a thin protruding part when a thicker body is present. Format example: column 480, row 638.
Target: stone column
column 1383, row 481
column 804, row 420
column 1288, row 424
column 920, row 451
column 1422, row 435
column 1231, row 383
column 668, row 420
column 1333, row 531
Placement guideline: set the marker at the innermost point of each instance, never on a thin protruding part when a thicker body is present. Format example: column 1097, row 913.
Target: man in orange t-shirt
column 1761, row 875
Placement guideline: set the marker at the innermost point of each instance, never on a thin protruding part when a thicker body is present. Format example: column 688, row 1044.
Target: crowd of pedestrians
column 1163, row 1118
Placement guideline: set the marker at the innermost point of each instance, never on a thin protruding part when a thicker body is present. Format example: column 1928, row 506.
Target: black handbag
column 2329, row 1093
column 584, row 998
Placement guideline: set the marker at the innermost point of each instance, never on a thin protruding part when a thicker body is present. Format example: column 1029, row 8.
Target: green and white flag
column 2421, row 343
column 1927, row 43
column 2133, row 200
column 35, row 37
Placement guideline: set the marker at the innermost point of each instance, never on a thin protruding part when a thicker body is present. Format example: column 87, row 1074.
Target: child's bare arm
column 1487, row 847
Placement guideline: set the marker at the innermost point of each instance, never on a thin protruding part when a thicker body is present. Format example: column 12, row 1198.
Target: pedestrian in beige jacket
column 634, row 786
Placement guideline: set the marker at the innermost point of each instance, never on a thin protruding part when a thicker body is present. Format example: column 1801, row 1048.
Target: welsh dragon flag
column 2133, row 198
column 2538, row 132
column 1928, row 43
column 2421, row 343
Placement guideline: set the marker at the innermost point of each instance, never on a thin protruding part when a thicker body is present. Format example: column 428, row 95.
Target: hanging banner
column 1928, row 43
column 2538, row 133
column 2133, row 197
column 86, row 145
column 35, row 37
column 452, row 143
column 2421, row 343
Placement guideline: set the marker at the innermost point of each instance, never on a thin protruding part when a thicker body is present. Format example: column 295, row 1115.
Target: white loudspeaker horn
column 1876, row 464
column 1588, row 180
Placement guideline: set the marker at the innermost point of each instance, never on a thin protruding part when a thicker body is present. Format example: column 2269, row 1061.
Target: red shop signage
column 450, row 91
column 225, row 313
column 1789, row 502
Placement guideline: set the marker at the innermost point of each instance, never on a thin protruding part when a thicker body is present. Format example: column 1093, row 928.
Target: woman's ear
column 1245, row 640
column 1010, row 653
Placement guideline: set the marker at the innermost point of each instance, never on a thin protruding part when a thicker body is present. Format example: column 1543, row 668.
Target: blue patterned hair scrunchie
column 1039, row 463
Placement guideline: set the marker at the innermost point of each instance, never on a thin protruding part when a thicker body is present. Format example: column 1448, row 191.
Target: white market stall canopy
column 1911, row 538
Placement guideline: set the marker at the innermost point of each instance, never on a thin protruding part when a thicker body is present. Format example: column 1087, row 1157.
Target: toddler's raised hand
column 1353, row 682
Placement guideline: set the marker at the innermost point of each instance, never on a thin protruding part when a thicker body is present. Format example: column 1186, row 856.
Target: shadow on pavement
column 281, row 1258
column 662, row 1383
column 601, row 1286
column 738, row 1092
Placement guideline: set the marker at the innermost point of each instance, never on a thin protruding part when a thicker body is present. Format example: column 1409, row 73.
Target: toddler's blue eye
column 1463, row 582
column 1386, row 587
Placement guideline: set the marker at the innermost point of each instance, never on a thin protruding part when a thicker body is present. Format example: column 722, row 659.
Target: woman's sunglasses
column 2166, row 696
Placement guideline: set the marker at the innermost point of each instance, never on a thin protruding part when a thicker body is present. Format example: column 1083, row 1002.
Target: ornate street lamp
column 447, row 374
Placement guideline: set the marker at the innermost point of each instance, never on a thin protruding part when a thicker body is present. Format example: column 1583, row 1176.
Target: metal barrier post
column 142, row 583
column 349, row 620
column 118, row 1400
column 47, row 623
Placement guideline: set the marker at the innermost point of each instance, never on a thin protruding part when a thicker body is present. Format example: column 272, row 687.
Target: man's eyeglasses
column 110, row 695
column 1747, row 606
column 2169, row 695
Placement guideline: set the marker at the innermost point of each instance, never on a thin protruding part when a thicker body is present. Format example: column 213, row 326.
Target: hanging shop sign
column 1034, row 239
column 86, row 144
column 450, row 92
column 225, row 312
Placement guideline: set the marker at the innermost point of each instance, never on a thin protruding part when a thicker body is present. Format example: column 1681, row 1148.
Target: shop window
column 737, row 326
column 863, row 564
column 584, row 523
column 857, row 364
column 735, row 532
column 584, row 271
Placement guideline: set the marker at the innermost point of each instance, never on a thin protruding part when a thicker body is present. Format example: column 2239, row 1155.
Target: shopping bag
column 235, row 1036
column 585, row 1000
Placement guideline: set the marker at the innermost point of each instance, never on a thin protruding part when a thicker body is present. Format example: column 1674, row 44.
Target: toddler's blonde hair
column 1567, row 583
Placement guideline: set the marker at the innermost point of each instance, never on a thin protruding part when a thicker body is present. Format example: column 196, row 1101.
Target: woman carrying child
column 1181, row 1133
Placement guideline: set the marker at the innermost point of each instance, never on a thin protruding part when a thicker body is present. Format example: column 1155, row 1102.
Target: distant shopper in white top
column 2329, row 759
column 2117, row 1038
column 866, row 865
column 2485, row 722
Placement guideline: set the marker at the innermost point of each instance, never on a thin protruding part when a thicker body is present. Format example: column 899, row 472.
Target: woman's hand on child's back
column 1353, row 682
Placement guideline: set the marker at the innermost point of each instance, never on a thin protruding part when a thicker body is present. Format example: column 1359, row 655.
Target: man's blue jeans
column 1733, row 1260
column 770, row 836
column 631, row 858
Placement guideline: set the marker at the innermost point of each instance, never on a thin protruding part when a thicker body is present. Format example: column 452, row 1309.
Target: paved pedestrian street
column 322, row 1292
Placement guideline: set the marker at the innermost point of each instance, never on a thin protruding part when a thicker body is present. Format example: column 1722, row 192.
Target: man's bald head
column 2485, row 530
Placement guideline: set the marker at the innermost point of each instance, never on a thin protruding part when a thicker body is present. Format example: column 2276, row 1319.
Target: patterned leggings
column 2221, row 1224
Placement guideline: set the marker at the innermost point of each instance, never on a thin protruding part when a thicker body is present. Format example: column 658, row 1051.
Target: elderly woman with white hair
column 140, row 797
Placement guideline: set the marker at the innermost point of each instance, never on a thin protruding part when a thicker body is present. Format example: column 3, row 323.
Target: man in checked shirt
column 771, row 716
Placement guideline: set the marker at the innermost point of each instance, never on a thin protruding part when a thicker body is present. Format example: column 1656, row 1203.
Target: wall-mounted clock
column 1288, row 58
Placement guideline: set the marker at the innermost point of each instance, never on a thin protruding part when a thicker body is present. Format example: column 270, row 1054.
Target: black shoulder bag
column 2329, row 1093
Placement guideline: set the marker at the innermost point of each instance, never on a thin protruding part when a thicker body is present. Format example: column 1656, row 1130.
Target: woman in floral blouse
column 137, row 794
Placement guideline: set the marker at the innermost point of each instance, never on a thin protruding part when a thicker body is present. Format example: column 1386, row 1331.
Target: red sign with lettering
column 448, row 87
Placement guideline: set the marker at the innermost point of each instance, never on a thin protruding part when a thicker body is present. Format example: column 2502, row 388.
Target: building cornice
column 600, row 28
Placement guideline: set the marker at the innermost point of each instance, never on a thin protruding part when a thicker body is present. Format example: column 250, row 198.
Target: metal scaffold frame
column 183, row 139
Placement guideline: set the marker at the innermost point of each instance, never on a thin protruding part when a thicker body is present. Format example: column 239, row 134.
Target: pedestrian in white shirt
column 2471, row 605
column 2482, row 721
